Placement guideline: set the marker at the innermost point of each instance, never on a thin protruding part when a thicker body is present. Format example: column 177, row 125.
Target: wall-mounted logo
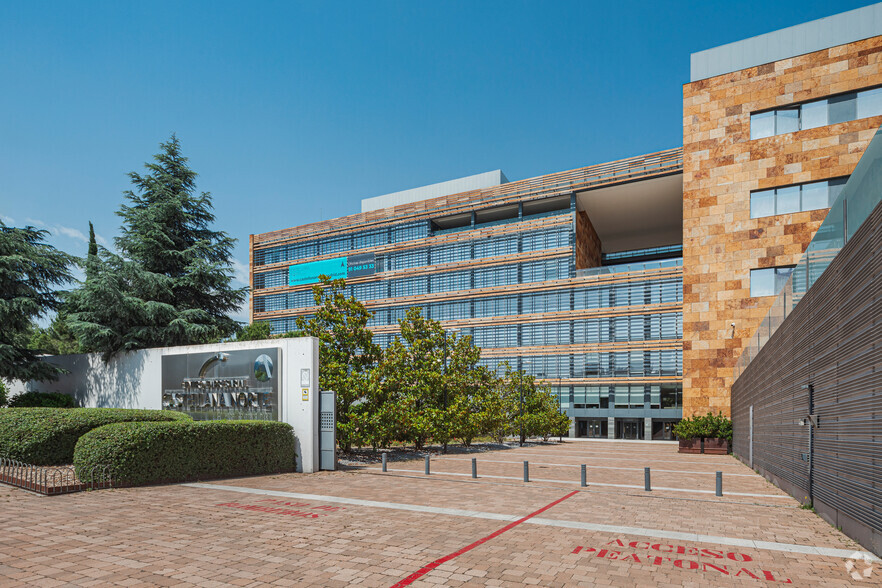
column 263, row 368
column 859, row 565
column 211, row 361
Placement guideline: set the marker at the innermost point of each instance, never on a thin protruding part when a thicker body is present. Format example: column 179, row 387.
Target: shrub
column 145, row 453
column 707, row 426
column 47, row 436
column 2, row 393
column 42, row 399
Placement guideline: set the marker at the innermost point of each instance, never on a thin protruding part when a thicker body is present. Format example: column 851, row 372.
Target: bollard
column 427, row 465
column 384, row 462
column 584, row 476
column 474, row 467
column 526, row 471
column 646, row 485
column 719, row 483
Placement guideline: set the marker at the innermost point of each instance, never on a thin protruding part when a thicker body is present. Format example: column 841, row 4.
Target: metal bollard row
column 583, row 480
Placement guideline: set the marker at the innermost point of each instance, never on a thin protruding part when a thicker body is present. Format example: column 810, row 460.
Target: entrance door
column 597, row 428
column 629, row 429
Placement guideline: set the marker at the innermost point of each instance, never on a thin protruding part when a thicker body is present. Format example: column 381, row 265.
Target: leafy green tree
column 30, row 269
column 476, row 408
column 508, row 390
column 172, row 282
column 411, row 374
column 431, row 377
column 542, row 415
column 464, row 391
column 56, row 339
column 533, row 410
column 347, row 352
column 256, row 331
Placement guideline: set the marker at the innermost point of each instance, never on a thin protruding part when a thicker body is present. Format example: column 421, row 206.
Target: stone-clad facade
column 722, row 165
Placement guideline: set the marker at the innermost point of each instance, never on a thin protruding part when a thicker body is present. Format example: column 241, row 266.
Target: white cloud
column 241, row 314
column 8, row 220
column 61, row 230
column 69, row 232
column 240, row 271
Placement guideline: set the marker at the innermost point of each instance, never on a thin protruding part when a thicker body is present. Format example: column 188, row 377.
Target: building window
column 817, row 113
column 799, row 198
column 769, row 281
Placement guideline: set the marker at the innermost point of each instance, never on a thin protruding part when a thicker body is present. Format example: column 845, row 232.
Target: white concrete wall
column 475, row 182
column 808, row 37
column 134, row 380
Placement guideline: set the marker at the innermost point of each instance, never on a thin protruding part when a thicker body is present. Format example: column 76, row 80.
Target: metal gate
column 328, row 430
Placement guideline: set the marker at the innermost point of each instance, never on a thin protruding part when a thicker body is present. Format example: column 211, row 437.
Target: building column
column 572, row 432
column 610, row 427
column 647, row 428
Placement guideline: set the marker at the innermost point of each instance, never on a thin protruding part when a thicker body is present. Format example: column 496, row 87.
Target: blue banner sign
column 339, row 267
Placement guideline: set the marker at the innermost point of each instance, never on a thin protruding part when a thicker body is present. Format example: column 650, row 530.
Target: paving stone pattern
column 254, row 531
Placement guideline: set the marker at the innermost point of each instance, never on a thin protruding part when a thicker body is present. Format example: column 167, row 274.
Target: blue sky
column 292, row 112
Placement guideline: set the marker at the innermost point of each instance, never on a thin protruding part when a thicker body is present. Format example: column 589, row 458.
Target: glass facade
column 607, row 340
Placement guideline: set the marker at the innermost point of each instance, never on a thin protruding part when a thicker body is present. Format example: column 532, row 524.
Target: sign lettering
column 280, row 508
column 728, row 563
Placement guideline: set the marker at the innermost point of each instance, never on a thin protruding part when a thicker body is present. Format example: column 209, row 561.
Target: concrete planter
column 716, row 446
column 690, row 446
column 711, row 446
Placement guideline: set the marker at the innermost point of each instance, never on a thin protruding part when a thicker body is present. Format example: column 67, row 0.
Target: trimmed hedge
column 47, row 436
column 42, row 399
column 146, row 453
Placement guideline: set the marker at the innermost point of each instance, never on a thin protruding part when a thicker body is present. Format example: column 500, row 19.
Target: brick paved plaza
column 364, row 527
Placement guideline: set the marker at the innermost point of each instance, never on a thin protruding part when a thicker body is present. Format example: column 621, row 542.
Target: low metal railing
column 52, row 480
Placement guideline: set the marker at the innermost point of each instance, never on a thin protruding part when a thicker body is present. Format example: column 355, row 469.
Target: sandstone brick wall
column 721, row 243
column 588, row 247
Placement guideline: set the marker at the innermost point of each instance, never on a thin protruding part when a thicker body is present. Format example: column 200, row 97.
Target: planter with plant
column 711, row 433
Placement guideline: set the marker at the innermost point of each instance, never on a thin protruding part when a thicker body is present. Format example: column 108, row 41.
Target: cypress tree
column 93, row 245
column 171, row 283
column 92, row 254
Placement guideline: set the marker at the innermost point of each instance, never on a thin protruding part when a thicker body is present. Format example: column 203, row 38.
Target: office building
column 553, row 275
column 631, row 287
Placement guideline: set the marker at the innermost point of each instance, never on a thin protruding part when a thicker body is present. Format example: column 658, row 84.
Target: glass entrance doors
column 629, row 428
column 592, row 428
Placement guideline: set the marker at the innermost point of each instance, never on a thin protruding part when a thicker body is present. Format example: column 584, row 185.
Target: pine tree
column 29, row 271
column 171, row 283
